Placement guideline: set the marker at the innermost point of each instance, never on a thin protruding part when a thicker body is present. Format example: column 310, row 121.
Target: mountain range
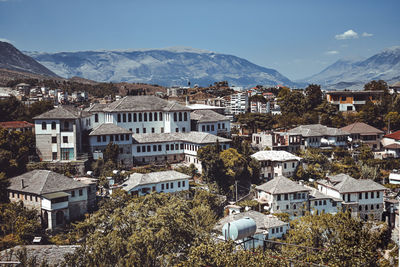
column 354, row 73
column 167, row 67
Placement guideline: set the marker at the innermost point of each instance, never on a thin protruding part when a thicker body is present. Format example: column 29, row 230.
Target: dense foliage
column 11, row 109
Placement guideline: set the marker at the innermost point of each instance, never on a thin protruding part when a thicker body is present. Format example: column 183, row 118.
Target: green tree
column 392, row 119
column 376, row 86
column 111, row 153
column 313, row 95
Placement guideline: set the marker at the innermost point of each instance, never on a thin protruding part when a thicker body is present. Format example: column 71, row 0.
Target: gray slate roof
column 109, row 128
column 136, row 179
column 96, row 107
column 344, row 183
column 263, row 222
column 317, row 130
column 144, row 103
column 361, row 128
column 207, row 116
column 281, row 185
column 193, row 137
column 40, row 182
column 315, row 194
column 275, row 155
column 63, row 112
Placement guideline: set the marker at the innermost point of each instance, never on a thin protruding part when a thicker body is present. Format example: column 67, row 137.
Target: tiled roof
column 207, row 116
column 144, row 103
column 315, row 194
column 16, row 124
column 344, row 183
column 96, row 107
column 263, row 222
column 392, row 146
column 63, row 112
column 361, row 128
column 109, row 128
column 395, row 135
column 281, row 185
column 317, row 130
column 193, row 137
column 43, row 182
column 274, row 155
column 136, row 179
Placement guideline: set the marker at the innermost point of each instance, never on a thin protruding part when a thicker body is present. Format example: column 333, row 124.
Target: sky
column 297, row 38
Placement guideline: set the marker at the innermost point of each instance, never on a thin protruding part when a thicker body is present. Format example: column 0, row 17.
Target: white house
column 267, row 227
column 363, row 197
column 140, row 184
column 283, row 195
column 289, row 142
column 57, row 198
column 391, row 144
column 321, row 203
column 317, row 135
column 210, row 122
column 276, row 163
column 106, row 133
column 239, row 103
column 58, row 133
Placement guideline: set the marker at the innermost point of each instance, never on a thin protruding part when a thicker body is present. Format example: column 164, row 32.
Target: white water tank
column 239, row 229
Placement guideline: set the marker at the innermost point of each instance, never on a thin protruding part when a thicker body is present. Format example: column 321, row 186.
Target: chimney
column 22, row 184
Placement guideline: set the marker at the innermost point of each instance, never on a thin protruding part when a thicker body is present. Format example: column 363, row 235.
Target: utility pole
column 236, row 192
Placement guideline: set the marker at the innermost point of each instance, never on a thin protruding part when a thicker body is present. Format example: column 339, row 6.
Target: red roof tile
column 16, row 124
column 395, row 135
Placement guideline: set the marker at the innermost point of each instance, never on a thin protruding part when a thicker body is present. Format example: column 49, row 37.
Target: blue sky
column 298, row 38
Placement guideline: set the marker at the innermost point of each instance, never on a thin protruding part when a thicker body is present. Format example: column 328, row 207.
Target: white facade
column 239, row 103
column 214, row 128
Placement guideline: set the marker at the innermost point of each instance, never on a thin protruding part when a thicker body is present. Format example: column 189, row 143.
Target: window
column 177, row 130
column 278, row 197
column 203, row 128
column 366, row 195
column 175, row 117
column 320, row 203
column 124, row 117
column 116, row 137
column 129, row 117
column 162, row 186
column 111, row 138
column 219, row 127
column 181, row 146
column 119, row 117
column 372, row 194
column 273, row 230
column 377, row 194
column 144, row 130
column 99, row 138
column 325, row 202
column 180, row 116
column 348, row 197
column 223, row 125
column 183, row 129
column 160, row 116
column 286, row 196
column 104, row 138
column 80, row 192
column 172, row 146
column 172, row 185
column 150, row 116
column 72, row 193
column 154, row 147
column 162, row 129
column 208, row 128
column 185, row 117
column 122, row 137
column 155, row 116
column 359, row 195
column 145, row 116
column 54, row 139
column 372, row 207
column 148, row 148
column 44, row 126
column 127, row 137
column 53, row 125
column 65, row 139
column 134, row 117
column 54, row 155
column 167, row 147
column 179, row 184
column 167, row 185
column 143, row 148
column 138, row 149
column 176, row 146
column 152, row 130
column 140, row 117
column 159, row 148
column 96, row 117
column 183, row 183
column 137, row 130
column 316, row 203
column 284, row 165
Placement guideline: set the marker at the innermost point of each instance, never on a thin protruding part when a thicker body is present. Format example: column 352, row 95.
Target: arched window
column 129, row 117
column 145, row 116
column 185, row 118
column 180, row 116
column 175, row 117
column 53, row 125
column 160, row 116
column 119, row 117
column 150, row 116
column 140, row 116
column 44, row 126
column 134, row 117
column 155, row 116
column 96, row 117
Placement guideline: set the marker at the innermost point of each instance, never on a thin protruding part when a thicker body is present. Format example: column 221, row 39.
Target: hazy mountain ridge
column 355, row 73
column 13, row 59
column 168, row 67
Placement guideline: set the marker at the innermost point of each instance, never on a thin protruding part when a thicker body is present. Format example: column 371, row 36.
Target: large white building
column 140, row 184
column 209, row 121
column 364, row 198
column 276, row 163
column 239, row 103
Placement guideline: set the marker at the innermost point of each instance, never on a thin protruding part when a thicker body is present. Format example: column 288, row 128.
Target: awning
column 55, row 195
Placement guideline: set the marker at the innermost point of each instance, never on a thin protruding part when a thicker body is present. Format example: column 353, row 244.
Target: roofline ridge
column 47, row 176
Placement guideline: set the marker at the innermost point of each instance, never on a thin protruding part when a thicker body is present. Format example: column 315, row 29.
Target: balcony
column 55, row 201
